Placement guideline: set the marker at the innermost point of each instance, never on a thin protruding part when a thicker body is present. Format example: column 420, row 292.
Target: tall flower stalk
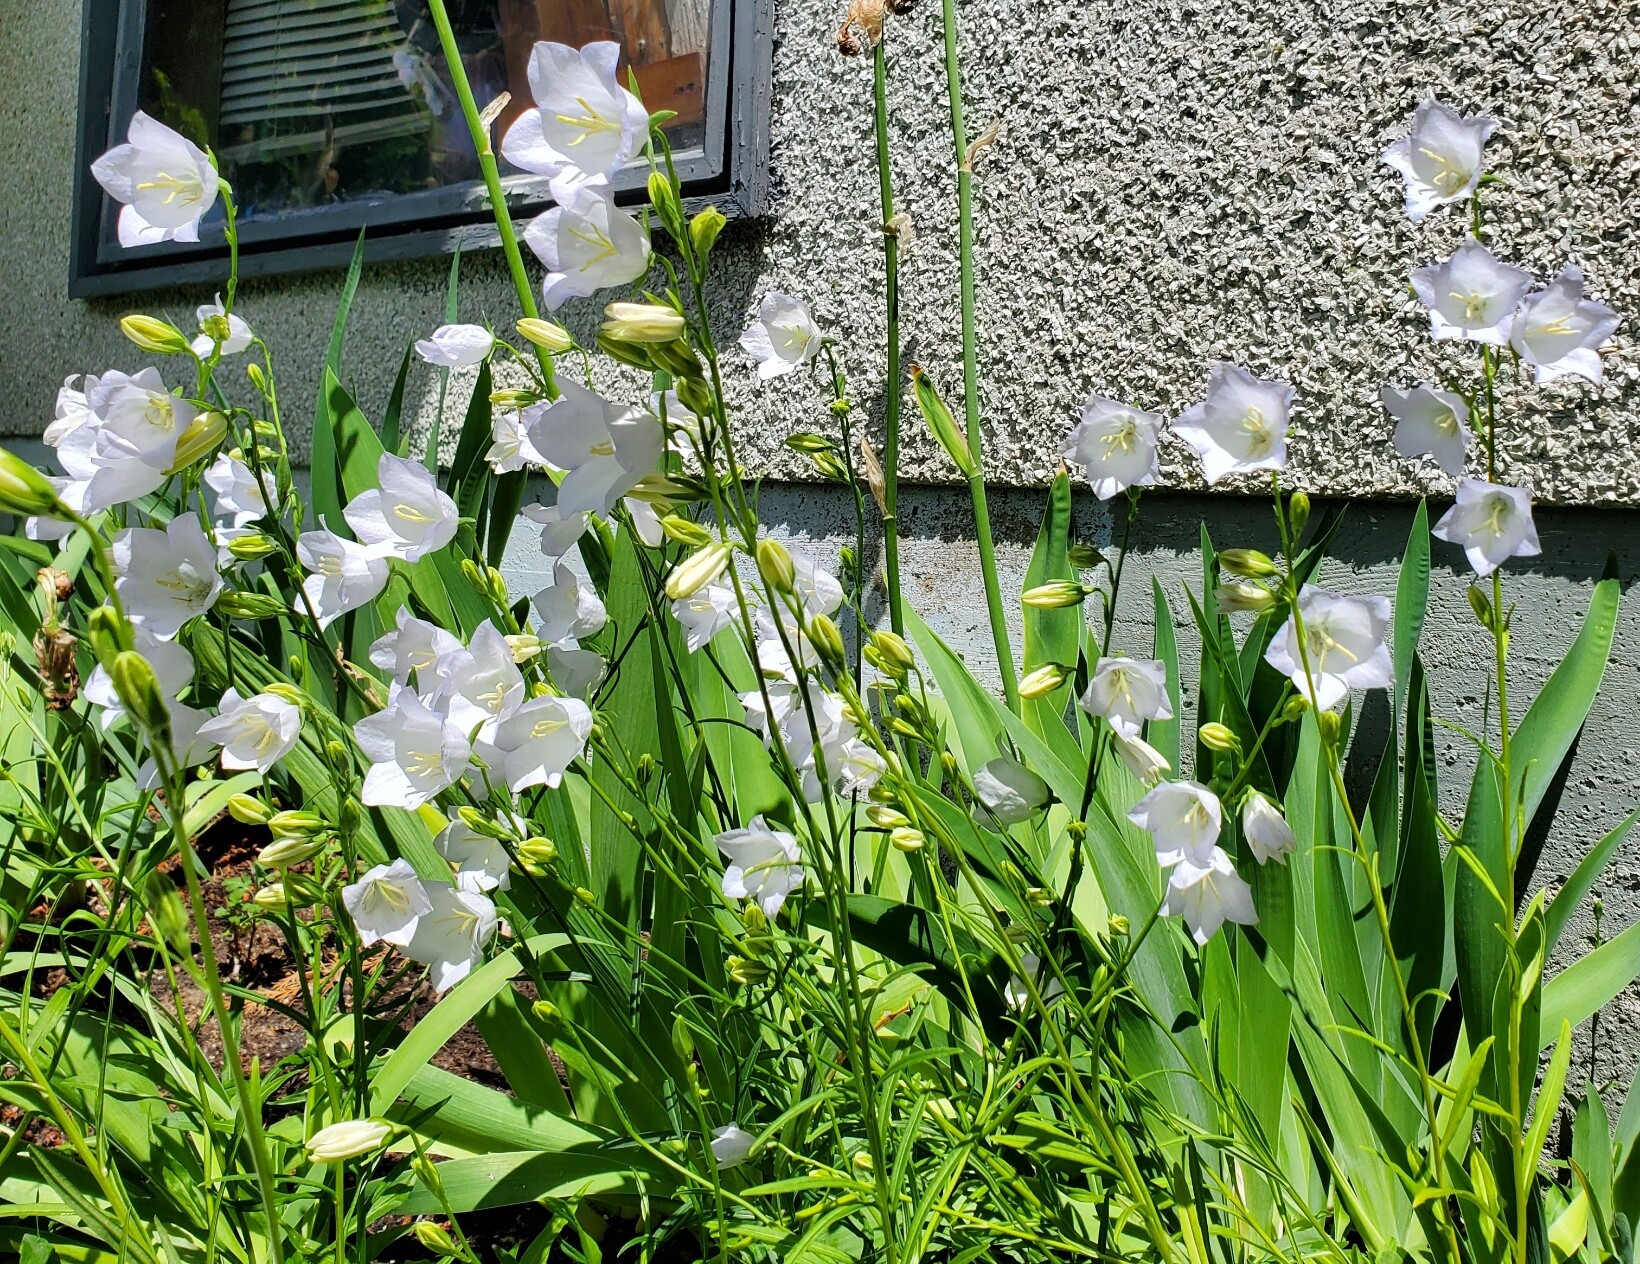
column 891, row 303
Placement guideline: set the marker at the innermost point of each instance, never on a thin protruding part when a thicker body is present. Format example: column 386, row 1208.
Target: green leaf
column 1164, row 734
column 1589, row 983
column 1582, row 879
column 325, row 476
column 394, row 412
column 1051, row 636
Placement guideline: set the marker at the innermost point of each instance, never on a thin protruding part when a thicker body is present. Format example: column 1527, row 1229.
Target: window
column 332, row 116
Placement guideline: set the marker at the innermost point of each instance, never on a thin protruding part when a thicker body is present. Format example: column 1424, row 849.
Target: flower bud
column 695, row 395
column 285, row 852
column 1481, row 605
column 892, row 649
column 941, row 423
column 248, row 810
column 287, row 692
column 248, row 605
column 434, row 1238
column 1218, row 737
column 535, row 854
column 685, row 531
column 271, row 898
column 138, row 690
column 481, row 824
column 696, row 571
column 704, row 229
column 663, row 199
column 1085, row 556
column 295, row 824
column 163, row 904
column 157, row 337
column 549, row 335
column 642, row 322
column 509, row 399
column 683, row 1042
column 523, row 646
column 1056, row 595
column 1329, row 723
column 107, row 634
column 1039, row 897
column 584, row 896
column 253, row 547
column 24, row 491
column 350, row 817
column 203, row 434
column 886, row 817
column 906, row 838
column 827, row 639
column 1298, row 514
column 1041, row 682
column 348, row 1140
column 676, row 358
column 1248, row 563
column 258, row 379
column 774, row 563
column 428, row 1174
column 743, row 971
column 1296, row 706
column 630, row 353
column 1236, row 596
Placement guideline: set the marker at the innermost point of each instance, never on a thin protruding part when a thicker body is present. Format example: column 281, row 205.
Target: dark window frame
column 731, row 172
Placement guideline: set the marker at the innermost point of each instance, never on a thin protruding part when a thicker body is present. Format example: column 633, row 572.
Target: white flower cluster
column 444, row 927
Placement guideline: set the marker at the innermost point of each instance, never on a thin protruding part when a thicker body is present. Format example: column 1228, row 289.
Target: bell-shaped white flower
column 450, row 937
column 510, row 447
column 731, row 1146
column 607, row 448
column 72, row 411
column 481, row 685
column 414, row 645
column 241, row 498
column 1183, row 819
column 481, row 862
column 164, row 578
column 765, row 864
column 1127, row 692
column 1472, row 295
column 782, row 337
column 585, row 126
column 1430, row 422
column 1240, row 426
column 1016, row 993
column 173, row 667
column 588, row 247
column 386, row 902
column 1345, row 640
column 534, row 745
column 1442, row 158
column 1011, row 791
column 188, row 747
column 1559, row 332
column 817, row 589
column 576, row 672
column 456, row 346
column 407, row 517
column 213, row 319
column 704, row 613
column 414, row 751
column 343, row 574
column 1491, row 523
column 1115, row 444
column 129, row 442
column 166, row 182
column 1209, row 894
column 1268, row 835
column 254, row 732
column 568, row 611
column 1146, row 764
column 560, row 532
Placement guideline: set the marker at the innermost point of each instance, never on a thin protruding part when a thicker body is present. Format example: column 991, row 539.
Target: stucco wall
column 1174, row 183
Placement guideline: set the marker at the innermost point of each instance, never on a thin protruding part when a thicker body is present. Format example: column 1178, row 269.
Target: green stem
column 492, row 180
column 970, row 366
column 891, row 396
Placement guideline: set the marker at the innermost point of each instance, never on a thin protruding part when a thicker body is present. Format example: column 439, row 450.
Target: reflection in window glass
column 312, row 103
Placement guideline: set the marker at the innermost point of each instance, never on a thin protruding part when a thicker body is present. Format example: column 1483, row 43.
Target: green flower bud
column 285, row 852
column 546, row 334
column 271, row 898
column 138, row 690
column 891, row 647
column 295, row 824
column 941, row 423
column 1481, row 605
column 685, row 531
column 350, row 817
column 704, row 229
column 258, row 379
column 1041, row 682
column 253, row 548
column 675, row 358
column 885, row 817
column 164, row 907
column 827, row 639
column 249, row 605
column 1056, row 595
column 157, row 337
column 248, row 810
column 535, row 854
column 1248, row 563
column 287, row 692
column 906, row 838
column 774, row 563
column 1296, row 706
column 1085, row 556
column 632, row 353
column 663, row 198
column 476, row 821
column 508, row 400
column 428, row 1174
column 1218, row 737
column 695, row 395
column 1237, row 596
column 742, row 971
column 1298, row 514
column 202, row 436
column 649, row 323
column 24, row 491
column 683, row 1042
column 434, row 1238
column 1329, row 723
column 108, row 634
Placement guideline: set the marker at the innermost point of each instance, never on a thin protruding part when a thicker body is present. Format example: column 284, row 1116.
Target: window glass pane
column 313, row 103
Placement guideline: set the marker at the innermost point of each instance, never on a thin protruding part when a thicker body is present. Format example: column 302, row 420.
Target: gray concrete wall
column 1173, row 184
